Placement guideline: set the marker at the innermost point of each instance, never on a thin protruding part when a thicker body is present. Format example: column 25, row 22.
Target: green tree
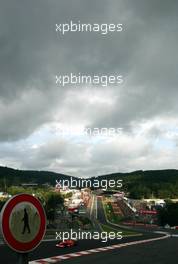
column 53, row 201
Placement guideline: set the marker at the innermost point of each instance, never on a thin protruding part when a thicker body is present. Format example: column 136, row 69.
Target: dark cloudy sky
column 33, row 110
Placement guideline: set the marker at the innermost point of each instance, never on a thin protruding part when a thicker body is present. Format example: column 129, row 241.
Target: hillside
column 157, row 183
column 153, row 183
column 11, row 176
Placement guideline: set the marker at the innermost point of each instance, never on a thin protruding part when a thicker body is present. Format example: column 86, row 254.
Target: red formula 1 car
column 67, row 243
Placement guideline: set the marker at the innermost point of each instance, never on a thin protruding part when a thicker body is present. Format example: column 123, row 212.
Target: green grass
column 109, row 229
column 111, row 216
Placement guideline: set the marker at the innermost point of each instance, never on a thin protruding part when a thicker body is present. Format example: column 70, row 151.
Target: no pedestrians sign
column 23, row 223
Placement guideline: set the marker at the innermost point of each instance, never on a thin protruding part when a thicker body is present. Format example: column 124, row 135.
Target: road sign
column 23, row 223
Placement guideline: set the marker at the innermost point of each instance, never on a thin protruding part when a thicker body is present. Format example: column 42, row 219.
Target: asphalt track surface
column 163, row 251
column 48, row 249
column 158, row 252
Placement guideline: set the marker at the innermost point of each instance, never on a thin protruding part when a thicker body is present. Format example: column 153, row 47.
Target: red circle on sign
column 6, row 213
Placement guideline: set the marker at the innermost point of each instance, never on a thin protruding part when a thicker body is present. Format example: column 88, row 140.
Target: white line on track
column 96, row 250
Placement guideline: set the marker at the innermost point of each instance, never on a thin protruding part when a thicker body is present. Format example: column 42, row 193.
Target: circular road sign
column 23, row 222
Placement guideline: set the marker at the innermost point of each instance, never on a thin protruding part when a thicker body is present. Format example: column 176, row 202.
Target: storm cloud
column 33, row 109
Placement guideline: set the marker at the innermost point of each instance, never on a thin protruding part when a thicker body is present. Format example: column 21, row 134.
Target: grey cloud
column 31, row 54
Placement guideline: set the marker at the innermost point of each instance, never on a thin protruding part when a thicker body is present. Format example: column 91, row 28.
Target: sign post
column 23, row 224
column 22, row 258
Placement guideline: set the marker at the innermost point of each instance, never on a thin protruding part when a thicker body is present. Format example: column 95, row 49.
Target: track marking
column 95, row 250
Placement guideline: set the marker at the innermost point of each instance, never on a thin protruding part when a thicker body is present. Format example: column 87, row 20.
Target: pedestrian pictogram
column 26, row 222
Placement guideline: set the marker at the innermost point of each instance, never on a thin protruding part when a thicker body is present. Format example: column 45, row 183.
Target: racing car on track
column 67, row 243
